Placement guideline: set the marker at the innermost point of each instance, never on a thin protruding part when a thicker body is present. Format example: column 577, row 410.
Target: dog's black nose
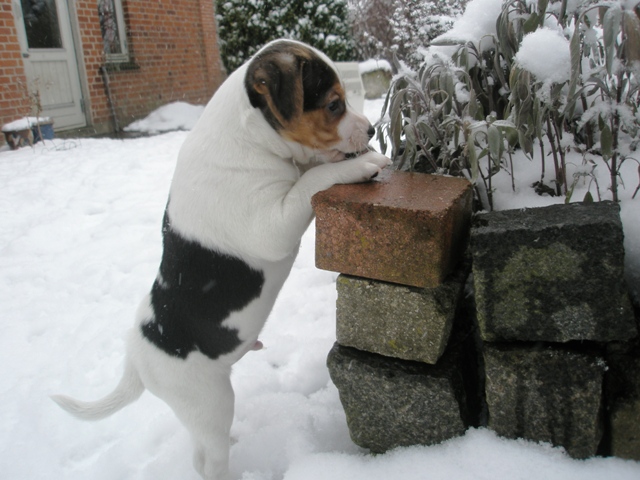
column 371, row 132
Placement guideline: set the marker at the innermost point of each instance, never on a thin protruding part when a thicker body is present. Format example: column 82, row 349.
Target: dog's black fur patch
column 317, row 79
column 279, row 68
column 279, row 76
column 195, row 292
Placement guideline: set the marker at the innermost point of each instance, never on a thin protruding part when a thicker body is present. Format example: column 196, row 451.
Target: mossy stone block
column 551, row 274
column 545, row 395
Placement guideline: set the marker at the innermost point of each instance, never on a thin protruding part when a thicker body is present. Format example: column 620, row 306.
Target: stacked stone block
column 622, row 391
column 396, row 320
column 405, row 228
column 399, row 243
column 391, row 403
column 546, row 348
column 551, row 299
column 545, row 394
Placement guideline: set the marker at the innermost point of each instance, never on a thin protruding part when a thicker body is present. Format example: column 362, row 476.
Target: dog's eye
column 335, row 107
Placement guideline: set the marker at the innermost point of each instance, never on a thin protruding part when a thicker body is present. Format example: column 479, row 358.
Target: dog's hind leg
column 210, row 431
column 199, row 392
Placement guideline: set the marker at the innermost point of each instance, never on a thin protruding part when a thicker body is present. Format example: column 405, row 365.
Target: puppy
column 274, row 134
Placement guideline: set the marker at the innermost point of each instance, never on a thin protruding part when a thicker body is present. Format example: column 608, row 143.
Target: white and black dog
column 274, row 134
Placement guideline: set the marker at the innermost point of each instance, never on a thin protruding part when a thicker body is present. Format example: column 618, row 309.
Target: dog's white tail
column 128, row 390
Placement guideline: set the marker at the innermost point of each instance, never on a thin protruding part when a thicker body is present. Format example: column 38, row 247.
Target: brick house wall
column 14, row 103
column 173, row 57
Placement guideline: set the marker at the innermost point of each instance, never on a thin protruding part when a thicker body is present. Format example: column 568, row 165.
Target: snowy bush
column 416, row 23
column 548, row 78
column 383, row 28
column 371, row 29
column 245, row 25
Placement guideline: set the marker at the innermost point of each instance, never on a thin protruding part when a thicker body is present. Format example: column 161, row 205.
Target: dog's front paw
column 372, row 164
column 377, row 159
column 356, row 170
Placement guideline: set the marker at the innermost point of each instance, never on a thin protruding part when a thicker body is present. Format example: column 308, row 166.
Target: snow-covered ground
column 173, row 116
column 79, row 246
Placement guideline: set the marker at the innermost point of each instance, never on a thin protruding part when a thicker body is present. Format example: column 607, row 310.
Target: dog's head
column 300, row 94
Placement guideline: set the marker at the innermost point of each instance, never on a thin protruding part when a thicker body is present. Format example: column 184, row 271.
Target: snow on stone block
column 551, row 274
column 395, row 320
column 545, row 395
column 374, row 65
column 406, row 228
column 376, row 77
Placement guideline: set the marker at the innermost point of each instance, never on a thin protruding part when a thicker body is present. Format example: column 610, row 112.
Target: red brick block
column 406, row 228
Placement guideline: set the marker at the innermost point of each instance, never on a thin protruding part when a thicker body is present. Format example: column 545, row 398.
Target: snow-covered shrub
column 541, row 76
column 439, row 121
column 245, row 25
column 605, row 83
column 383, row 28
column 371, row 29
column 416, row 23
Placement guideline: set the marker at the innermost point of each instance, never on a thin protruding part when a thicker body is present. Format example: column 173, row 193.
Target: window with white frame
column 113, row 30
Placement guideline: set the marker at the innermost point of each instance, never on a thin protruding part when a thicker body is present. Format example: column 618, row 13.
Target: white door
column 44, row 31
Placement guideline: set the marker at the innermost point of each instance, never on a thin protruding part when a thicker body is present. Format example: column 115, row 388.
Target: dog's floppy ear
column 274, row 85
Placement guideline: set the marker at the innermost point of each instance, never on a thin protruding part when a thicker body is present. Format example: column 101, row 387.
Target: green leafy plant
column 466, row 113
column 610, row 94
column 442, row 120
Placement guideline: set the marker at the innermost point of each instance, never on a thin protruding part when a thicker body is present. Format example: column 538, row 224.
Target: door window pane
column 41, row 23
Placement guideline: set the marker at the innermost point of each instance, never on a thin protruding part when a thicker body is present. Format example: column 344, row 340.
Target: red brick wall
column 14, row 100
column 93, row 56
column 172, row 43
column 173, row 49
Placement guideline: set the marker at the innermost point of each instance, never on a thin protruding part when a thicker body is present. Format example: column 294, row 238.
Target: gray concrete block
column 376, row 83
column 545, row 394
column 395, row 320
column 390, row 402
column 551, row 274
